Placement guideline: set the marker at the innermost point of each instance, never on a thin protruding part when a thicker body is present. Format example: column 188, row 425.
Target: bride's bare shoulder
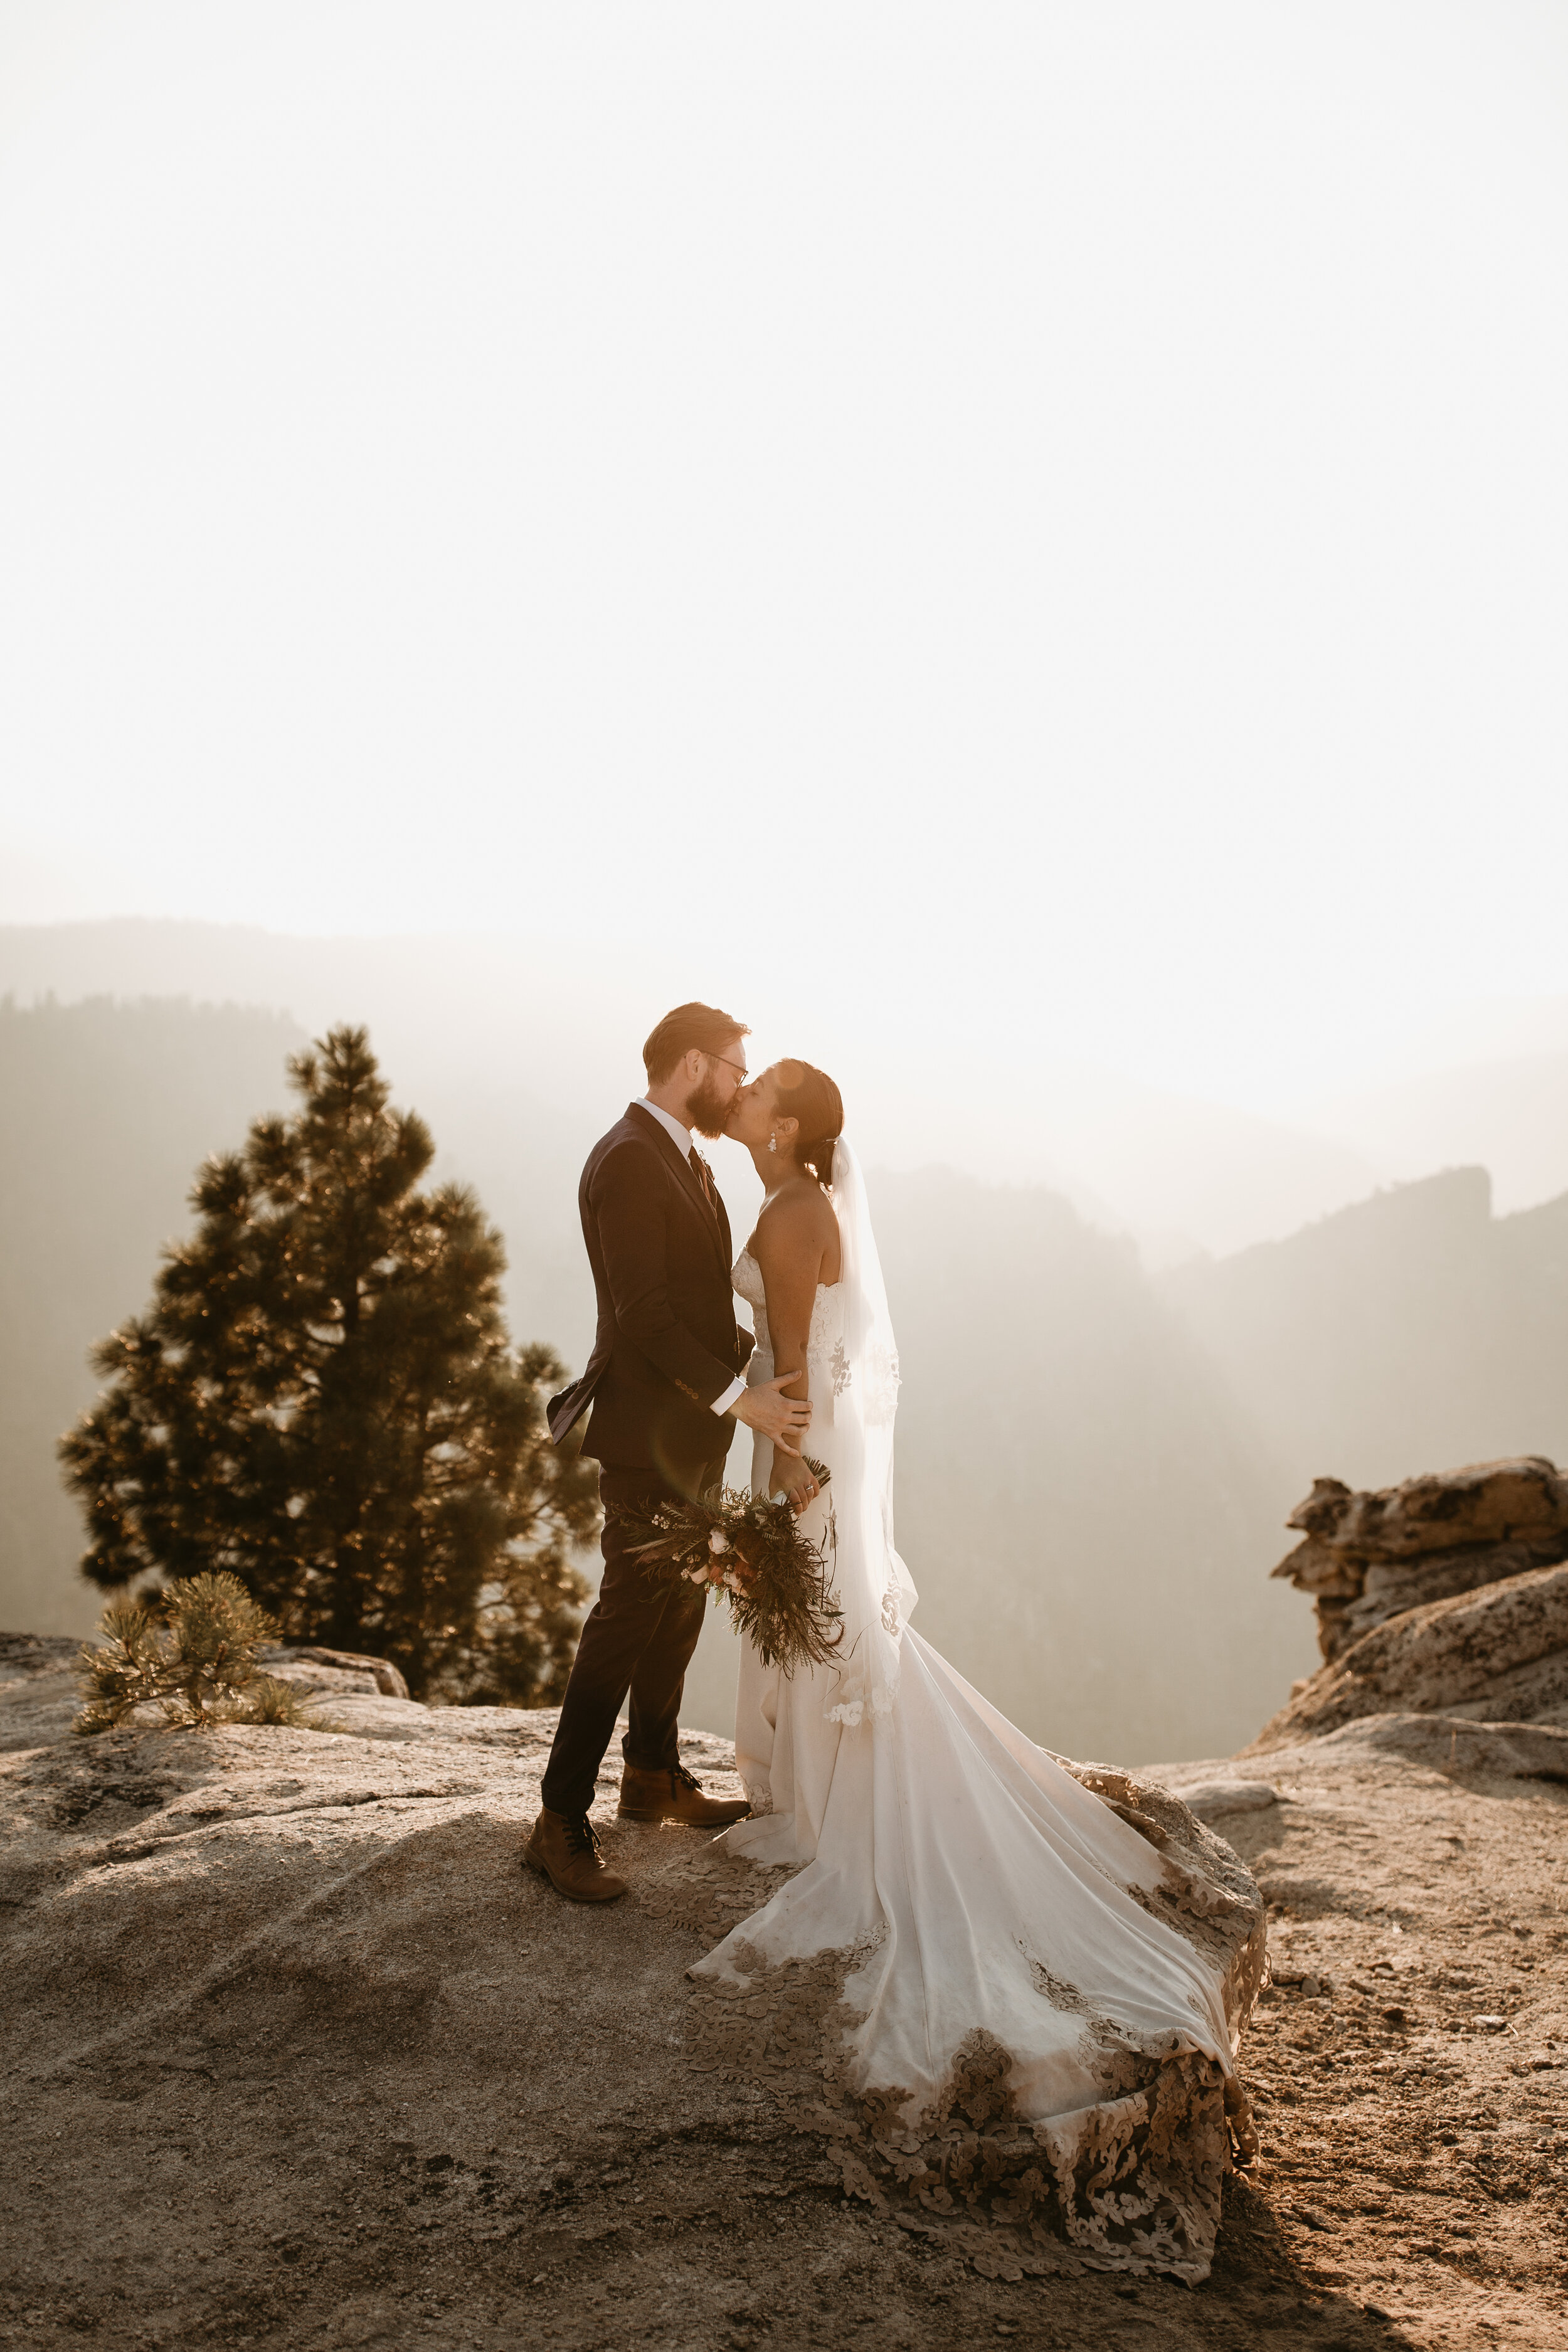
column 798, row 1218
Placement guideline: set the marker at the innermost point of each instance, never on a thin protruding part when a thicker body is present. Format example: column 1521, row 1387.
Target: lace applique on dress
column 883, row 1380
column 828, row 1372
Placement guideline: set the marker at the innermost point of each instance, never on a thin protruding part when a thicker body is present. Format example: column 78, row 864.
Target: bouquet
column 749, row 1550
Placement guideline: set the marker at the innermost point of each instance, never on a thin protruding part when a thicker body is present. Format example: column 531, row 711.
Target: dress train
column 1010, row 1940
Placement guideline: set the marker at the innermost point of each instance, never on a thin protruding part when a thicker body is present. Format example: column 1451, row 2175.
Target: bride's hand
column 795, row 1481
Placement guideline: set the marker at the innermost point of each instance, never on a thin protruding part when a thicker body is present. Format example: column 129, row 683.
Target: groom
column 666, row 1384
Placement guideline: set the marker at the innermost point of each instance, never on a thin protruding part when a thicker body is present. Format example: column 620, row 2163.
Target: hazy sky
column 1056, row 513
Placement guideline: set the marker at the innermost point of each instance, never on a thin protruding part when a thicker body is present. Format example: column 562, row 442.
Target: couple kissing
column 989, row 1907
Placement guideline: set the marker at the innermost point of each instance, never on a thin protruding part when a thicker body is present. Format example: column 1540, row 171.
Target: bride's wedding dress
column 1001, row 1924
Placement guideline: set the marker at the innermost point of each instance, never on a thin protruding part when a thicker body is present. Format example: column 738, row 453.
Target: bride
column 997, row 1918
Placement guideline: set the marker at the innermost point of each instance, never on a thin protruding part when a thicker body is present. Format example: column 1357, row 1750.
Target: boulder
column 1497, row 1654
column 1371, row 1556
column 1451, row 1743
column 364, row 1697
column 1213, row 1800
column 341, row 1671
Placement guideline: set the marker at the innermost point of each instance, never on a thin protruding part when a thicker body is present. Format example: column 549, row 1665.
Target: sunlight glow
column 1061, row 513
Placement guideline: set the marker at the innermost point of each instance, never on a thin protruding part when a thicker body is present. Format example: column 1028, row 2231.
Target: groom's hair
column 703, row 1025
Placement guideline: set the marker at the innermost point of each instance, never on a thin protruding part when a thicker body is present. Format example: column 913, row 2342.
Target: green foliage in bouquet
column 323, row 1400
column 195, row 1662
column 749, row 1550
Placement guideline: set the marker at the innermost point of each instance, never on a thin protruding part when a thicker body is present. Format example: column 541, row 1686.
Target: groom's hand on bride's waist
column 768, row 1411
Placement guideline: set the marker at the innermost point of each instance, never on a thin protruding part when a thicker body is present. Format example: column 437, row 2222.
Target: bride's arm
column 789, row 1245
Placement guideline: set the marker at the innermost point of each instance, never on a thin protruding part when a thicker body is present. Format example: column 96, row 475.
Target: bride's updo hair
column 810, row 1095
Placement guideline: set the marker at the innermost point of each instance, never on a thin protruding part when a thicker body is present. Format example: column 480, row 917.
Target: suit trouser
column 636, row 1639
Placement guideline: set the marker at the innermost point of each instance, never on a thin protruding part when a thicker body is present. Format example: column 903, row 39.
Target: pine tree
column 322, row 1401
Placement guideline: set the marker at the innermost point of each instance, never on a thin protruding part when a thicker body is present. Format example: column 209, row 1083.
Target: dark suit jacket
column 667, row 1342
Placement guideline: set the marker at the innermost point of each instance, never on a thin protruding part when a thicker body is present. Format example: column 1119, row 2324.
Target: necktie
column 704, row 1175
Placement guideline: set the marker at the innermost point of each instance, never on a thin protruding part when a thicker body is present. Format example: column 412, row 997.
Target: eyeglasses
column 739, row 1068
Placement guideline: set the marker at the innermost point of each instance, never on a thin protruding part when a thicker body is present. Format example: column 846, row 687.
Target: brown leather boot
column 565, row 1849
column 672, row 1795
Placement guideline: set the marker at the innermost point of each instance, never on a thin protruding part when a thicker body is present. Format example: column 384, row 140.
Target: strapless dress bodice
column 826, row 1363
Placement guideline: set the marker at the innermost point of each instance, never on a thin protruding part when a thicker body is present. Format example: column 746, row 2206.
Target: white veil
column 874, row 1587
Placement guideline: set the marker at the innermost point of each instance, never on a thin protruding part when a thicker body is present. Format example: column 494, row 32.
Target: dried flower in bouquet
column 748, row 1550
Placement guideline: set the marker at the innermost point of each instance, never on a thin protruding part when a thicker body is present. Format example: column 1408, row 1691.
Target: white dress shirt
column 680, row 1137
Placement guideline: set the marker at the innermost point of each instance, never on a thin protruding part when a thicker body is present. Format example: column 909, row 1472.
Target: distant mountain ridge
column 1413, row 1327
column 1185, row 1174
column 1510, row 1114
column 451, row 1016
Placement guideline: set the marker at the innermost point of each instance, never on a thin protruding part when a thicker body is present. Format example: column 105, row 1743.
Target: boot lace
column 679, row 1777
column 581, row 1835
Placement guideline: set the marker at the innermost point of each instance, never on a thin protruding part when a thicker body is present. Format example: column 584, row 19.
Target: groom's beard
column 707, row 1109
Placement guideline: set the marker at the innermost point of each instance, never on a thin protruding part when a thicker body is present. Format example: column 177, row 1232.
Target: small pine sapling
column 196, row 1662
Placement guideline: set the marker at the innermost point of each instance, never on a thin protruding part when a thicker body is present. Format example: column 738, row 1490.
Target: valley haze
column 1134, row 1326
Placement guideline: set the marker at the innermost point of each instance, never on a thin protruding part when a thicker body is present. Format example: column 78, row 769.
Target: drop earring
column 773, row 1143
